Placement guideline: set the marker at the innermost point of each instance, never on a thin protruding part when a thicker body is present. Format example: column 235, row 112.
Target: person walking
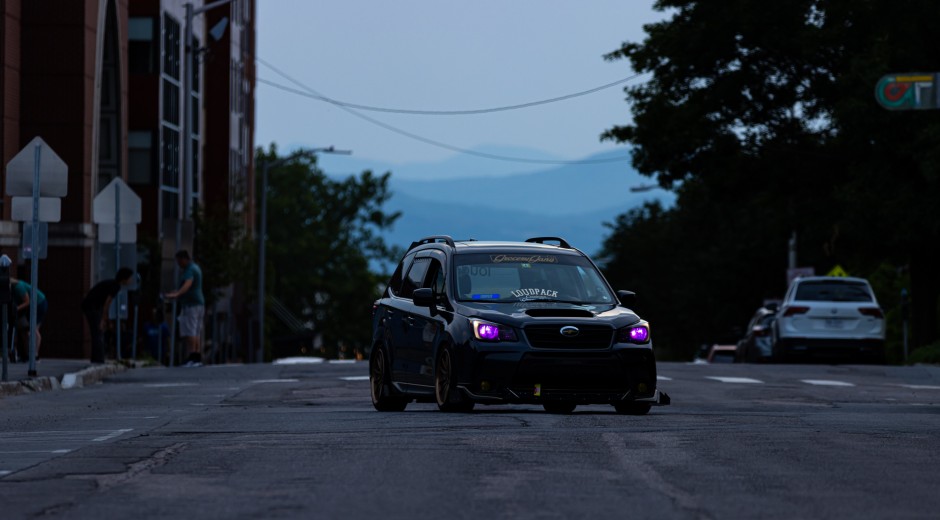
column 95, row 307
column 21, row 299
column 192, row 306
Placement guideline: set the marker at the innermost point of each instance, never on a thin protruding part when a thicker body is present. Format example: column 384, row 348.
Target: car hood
column 519, row 313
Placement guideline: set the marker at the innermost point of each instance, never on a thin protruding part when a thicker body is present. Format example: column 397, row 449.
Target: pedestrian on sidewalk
column 95, row 308
column 21, row 299
column 192, row 306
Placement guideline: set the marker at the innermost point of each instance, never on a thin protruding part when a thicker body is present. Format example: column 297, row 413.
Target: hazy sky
column 445, row 55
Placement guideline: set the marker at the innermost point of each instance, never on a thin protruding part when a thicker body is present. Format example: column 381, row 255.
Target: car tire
column 633, row 408
column 446, row 394
column 381, row 384
column 561, row 408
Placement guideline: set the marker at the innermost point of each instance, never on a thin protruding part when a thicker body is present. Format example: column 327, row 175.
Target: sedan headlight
column 487, row 331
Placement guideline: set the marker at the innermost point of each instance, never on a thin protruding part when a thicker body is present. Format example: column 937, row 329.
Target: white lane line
column 921, row 387
column 663, row 378
column 169, row 385
column 4, row 472
column 258, row 381
column 342, row 361
column 112, row 435
column 355, row 378
column 744, row 380
column 825, row 382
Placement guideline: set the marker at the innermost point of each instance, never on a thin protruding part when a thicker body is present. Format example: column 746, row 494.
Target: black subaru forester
column 472, row 322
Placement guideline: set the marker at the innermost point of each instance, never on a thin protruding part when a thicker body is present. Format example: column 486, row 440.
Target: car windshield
column 515, row 277
column 833, row 291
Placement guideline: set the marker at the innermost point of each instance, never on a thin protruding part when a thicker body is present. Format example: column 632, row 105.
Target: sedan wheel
column 446, row 393
column 382, row 398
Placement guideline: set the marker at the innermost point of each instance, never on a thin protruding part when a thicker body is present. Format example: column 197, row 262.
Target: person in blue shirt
column 21, row 299
column 192, row 306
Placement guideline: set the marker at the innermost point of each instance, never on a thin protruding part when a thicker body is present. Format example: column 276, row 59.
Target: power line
column 310, row 92
column 443, row 112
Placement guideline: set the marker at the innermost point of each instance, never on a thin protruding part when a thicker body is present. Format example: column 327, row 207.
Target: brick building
column 101, row 82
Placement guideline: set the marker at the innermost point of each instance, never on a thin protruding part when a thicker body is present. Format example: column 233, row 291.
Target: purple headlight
column 639, row 334
column 635, row 334
column 487, row 331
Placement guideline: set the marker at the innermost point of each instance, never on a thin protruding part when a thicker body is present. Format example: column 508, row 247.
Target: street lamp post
column 263, row 231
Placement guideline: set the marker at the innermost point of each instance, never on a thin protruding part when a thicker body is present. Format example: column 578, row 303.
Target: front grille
column 549, row 336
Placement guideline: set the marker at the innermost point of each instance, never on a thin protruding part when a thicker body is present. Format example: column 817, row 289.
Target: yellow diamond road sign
column 837, row 271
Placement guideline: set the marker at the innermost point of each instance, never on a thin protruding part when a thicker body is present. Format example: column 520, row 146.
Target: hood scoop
column 559, row 313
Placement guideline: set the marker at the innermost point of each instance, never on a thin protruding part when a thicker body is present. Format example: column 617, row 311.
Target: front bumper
column 534, row 376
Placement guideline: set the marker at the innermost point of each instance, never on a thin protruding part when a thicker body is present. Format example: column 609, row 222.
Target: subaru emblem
column 569, row 331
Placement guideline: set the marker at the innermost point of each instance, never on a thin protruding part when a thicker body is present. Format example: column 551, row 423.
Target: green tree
column 761, row 116
column 323, row 236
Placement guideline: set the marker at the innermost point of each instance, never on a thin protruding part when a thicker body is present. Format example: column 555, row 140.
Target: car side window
column 415, row 277
column 394, row 285
column 435, row 278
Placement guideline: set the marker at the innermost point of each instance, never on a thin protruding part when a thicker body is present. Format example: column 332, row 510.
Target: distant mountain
column 458, row 166
column 569, row 201
column 565, row 190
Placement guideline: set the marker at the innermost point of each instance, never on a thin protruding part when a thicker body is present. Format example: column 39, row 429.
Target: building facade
column 102, row 82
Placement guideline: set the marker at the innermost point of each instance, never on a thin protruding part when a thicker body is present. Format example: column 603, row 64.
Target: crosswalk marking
column 743, row 380
column 825, row 382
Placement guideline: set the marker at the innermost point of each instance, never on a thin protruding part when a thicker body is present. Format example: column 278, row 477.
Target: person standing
column 192, row 306
column 95, row 308
column 21, row 299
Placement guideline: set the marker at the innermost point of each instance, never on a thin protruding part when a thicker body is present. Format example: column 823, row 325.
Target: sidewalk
column 56, row 374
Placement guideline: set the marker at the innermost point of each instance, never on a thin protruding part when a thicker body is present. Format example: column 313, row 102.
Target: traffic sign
column 837, row 271
column 50, row 209
column 117, row 202
column 911, row 91
column 21, row 170
column 106, row 233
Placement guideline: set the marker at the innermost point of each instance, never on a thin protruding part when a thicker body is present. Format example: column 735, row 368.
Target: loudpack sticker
column 527, row 259
column 519, row 293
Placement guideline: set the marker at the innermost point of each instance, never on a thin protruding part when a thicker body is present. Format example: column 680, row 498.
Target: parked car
column 831, row 317
column 757, row 344
column 530, row 322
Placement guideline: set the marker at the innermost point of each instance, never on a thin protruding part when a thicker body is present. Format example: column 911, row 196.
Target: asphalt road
column 302, row 441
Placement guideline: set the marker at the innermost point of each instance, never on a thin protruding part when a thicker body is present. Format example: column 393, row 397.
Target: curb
column 78, row 379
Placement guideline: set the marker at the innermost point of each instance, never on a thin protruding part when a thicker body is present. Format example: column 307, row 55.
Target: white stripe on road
column 825, row 382
column 355, row 378
column 115, row 433
column 746, row 380
column 663, row 378
column 342, row 361
column 34, row 451
column 259, row 381
column 169, row 385
column 921, row 387
column 4, row 472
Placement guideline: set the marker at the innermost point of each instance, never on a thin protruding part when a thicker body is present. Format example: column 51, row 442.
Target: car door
column 405, row 331
column 428, row 324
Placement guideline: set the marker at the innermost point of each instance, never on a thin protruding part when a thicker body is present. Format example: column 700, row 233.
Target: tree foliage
column 761, row 116
column 322, row 236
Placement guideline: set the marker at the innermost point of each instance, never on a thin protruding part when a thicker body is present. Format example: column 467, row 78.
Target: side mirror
column 423, row 297
column 627, row 298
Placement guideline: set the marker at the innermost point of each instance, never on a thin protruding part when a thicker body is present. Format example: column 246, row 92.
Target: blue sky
column 442, row 55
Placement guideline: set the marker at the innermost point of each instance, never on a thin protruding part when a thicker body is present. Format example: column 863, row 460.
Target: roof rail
column 541, row 240
column 433, row 240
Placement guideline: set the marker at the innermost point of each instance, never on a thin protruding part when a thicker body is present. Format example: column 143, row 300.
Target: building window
column 142, row 53
column 171, row 47
column 140, row 157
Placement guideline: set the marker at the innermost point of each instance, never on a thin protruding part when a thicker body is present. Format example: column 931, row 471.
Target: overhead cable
column 310, row 92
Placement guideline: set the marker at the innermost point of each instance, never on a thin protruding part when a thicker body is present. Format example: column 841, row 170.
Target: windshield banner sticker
column 519, row 293
column 529, row 259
